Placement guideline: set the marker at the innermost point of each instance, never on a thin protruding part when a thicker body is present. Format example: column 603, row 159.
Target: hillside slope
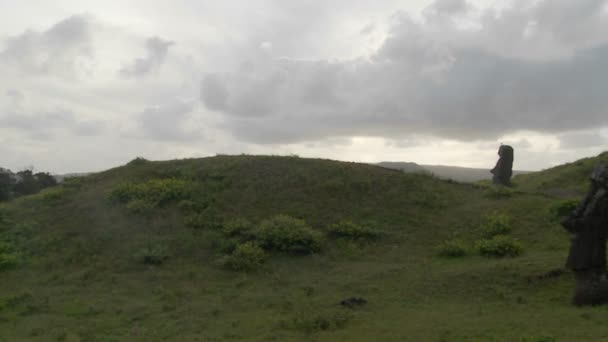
column 457, row 173
column 79, row 273
column 569, row 180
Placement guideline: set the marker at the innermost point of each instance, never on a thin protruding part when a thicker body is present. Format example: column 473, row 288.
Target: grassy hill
column 196, row 250
column 569, row 180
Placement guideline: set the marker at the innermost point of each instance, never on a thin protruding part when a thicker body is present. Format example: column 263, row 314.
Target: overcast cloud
column 434, row 82
column 157, row 50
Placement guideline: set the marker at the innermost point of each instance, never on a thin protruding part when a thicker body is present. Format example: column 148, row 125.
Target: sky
column 89, row 85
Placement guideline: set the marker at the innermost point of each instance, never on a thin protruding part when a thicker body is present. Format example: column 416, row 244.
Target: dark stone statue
column 504, row 166
column 588, row 228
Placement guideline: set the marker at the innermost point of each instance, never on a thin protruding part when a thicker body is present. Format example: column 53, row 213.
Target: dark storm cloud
column 435, row 78
column 56, row 50
column 157, row 50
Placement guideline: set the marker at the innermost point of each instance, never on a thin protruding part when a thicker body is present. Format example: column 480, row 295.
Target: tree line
column 26, row 182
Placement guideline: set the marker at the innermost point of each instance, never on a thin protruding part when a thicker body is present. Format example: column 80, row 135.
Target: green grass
column 569, row 180
column 81, row 273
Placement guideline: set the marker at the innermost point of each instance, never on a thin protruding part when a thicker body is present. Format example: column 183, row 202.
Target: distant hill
column 457, row 173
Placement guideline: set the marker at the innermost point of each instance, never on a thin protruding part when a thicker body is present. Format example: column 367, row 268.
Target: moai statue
column 504, row 166
column 588, row 226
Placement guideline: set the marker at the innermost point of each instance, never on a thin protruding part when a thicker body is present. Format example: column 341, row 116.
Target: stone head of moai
column 587, row 227
column 599, row 175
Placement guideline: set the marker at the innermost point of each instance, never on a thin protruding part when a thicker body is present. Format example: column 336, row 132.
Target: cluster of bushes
column 452, row 248
column 142, row 197
column 246, row 246
column 499, row 246
column 495, row 240
column 23, row 183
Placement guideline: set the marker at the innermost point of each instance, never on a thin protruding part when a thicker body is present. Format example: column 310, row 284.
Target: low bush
column 452, row 248
column 245, row 257
column 238, row 228
column 351, row 230
column 53, row 194
column 499, row 246
column 154, row 254
column 496, row 224
column 287, row 234
column 139, row 206
column 226, row 245
column 562, row 208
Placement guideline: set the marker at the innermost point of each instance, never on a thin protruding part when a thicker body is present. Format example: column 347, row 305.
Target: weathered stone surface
column 504, row 166
column 588, row 228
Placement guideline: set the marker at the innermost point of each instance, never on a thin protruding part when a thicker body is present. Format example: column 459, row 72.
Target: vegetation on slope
column 569, row 180
column 193, row 250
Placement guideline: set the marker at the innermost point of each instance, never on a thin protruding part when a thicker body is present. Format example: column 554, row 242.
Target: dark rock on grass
column 353, row 302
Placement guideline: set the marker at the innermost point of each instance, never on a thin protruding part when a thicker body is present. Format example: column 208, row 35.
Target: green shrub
column 562, row 208
column 452, row 248
column 238, row 228
column 496, row 224
column 139, row 206
column 53, row 194
column 348, row 229
column 245, row 257
column 226, row 245
column 287, row 234
column 156, row 191
column 154, row 254
column 499, row 246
